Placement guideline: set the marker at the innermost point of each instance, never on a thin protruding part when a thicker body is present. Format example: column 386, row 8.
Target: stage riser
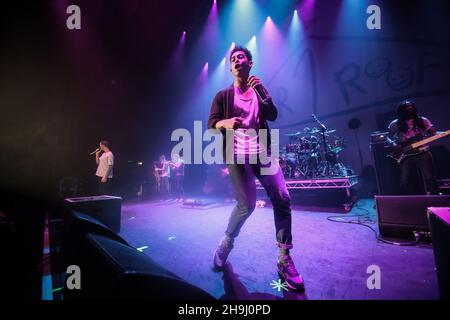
column 335, row 200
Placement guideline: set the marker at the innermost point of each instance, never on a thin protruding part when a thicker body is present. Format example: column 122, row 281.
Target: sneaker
column 287, row 270
column 221, row 253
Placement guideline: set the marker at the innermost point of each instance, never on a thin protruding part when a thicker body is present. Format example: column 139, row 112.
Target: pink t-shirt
column 411, row 132
column 402, row 137
column 246, row 106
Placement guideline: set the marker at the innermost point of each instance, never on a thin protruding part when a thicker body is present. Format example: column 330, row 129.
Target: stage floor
column 332, row 257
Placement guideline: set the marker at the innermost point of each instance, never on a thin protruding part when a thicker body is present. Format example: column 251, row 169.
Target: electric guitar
column 411, row 148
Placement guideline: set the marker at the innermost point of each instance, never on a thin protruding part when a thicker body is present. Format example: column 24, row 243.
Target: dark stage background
column 118, row 78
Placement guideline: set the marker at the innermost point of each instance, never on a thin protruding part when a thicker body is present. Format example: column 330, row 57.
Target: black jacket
column 223, row 108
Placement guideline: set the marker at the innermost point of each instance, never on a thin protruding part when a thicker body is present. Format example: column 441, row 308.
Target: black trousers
column 243, row 180
column 177, row 186
column 415, row 167
column 105, row 188
column 164, row 188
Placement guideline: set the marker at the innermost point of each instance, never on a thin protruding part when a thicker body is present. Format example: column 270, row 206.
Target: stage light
column 295, row 22
column 251, row 45
column 204, row 73
column 229, row 49
column 294, row 34
column 182, row 38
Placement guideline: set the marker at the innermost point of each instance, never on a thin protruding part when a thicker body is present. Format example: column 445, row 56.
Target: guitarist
column 410, row 127
column 163, row 171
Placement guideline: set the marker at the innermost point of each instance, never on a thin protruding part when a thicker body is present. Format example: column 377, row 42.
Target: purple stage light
column 213, row 11
column 177, row 56
column 210, row 33
column 270, row 31
column 204, row 73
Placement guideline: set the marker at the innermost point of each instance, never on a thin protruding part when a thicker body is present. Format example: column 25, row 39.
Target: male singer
column 105, row 164
column 247, row 105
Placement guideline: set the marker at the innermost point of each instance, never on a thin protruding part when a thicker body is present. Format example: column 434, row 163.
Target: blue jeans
column 243, row 181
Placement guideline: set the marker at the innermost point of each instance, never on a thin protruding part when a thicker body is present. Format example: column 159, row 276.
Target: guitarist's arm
column 432, row 131
column 391, row 140
column 429, row 128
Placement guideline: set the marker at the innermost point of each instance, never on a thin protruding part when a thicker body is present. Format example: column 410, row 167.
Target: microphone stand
column 323, row 130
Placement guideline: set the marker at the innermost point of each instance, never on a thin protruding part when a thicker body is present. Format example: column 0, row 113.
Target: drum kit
column 313, row 153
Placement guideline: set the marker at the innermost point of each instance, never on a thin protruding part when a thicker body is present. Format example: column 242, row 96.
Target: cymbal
column 317, row 130
column 294, row 134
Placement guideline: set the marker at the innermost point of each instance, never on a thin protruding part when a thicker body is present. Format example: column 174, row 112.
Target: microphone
column 262, row 93
column 98, row 149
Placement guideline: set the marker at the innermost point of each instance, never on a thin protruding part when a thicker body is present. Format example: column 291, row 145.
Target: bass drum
column 308, row 145
column 288, row 164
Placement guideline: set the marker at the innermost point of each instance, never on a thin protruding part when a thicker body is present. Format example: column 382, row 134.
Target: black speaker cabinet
column 399, row 216
column 76, row 226
column 74, row 244
column 439, row 219
column 117, row 271
column 106, row 209
column 386, row 170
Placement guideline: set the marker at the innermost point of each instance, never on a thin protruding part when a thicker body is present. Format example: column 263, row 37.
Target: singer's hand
column 104, row 179
column 97, row 151
column 254, row 82
column 232, row 123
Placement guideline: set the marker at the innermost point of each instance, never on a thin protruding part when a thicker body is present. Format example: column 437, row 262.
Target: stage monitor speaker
column 439, row 219
column 106, row 209
column 386, row 170
column 399, row 216
column 74, row 244
column 77, row 225
column 117, row 271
